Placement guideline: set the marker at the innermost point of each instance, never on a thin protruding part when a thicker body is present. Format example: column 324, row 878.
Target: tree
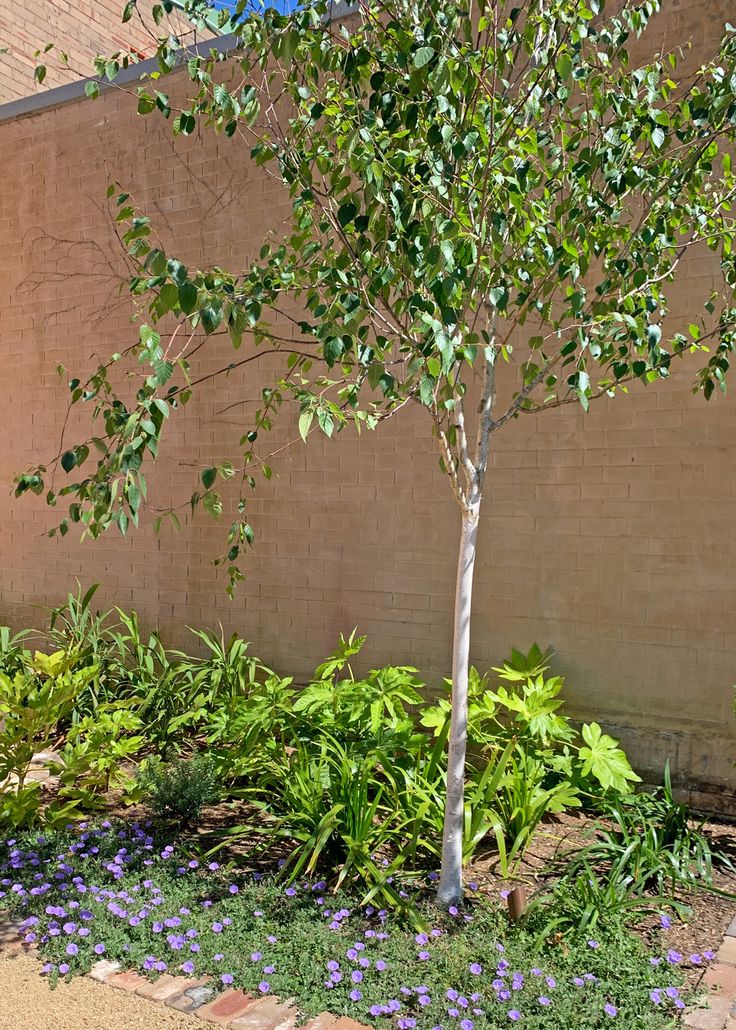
column 485, row 198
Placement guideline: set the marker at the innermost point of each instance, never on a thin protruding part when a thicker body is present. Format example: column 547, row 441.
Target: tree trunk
column 450, row 887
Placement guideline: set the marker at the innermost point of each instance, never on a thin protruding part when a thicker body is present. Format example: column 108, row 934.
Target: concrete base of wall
column 701, row 764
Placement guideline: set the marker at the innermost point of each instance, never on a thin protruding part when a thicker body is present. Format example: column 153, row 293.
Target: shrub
column 179, row 789
column 32, row 704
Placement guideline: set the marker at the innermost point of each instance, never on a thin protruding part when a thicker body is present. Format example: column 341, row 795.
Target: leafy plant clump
column 179, row 789
column 114, row 891
column 342, row 769
column 654, row 841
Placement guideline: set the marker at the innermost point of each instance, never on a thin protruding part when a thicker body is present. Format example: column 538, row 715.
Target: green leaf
column 426, row 390
column 187, row 297
column 208, row 477
column 212, row 503
column 605, row 761
column 68, row 461
column 305, row 421
column 211, row 316
column 423, row 56
column 146, row 103
column 177, row 271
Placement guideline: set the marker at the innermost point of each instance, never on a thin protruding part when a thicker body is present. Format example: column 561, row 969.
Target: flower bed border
column 197, row 997
column 237, row 1010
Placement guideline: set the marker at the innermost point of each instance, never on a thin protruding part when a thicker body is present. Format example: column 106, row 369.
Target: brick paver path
column 721, row 979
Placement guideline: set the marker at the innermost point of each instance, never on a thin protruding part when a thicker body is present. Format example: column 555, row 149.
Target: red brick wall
column 80, row 28
column 609, row 536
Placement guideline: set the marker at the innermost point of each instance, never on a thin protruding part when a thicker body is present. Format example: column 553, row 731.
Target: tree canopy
column 487, row 185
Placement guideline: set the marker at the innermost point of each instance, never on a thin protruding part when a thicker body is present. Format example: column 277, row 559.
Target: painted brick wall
column 81, row 28
column 611, row 537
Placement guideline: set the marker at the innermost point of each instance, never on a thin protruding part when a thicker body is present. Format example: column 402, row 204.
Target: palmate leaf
column 604, row 759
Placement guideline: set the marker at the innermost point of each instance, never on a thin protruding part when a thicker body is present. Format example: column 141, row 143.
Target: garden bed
column 118, row 891
column 297, row 832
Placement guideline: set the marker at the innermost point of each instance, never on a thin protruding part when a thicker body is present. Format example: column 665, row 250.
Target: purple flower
column 333, row 966
column 467, row 1024
column 544, row 1001
column 610, row 1009
column 665, row 922
column 187, row 967
column 593, row 944
column 380, row 965
column 227, row 978
column 255, row 956
column 696, row 959
column 233, row 888
column 514, row 1015
column 217, row 928
column 476, row 968
column 421, row 938
column 356, row 976
column 423, row 955
column 264, row 986
column 674, row 957
column 656, row 997
column 72, row 949
column 709, row 956
column 355, row 995
column 99, row 949
column 672, row 992
column 63, row 968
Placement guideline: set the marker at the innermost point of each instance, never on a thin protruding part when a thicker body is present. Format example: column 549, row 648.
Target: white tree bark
column 450, row 888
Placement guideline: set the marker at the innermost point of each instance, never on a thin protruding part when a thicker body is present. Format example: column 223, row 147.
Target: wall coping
column 71, row 92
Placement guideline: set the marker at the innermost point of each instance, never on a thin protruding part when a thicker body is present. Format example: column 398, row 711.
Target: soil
column 28, row 1003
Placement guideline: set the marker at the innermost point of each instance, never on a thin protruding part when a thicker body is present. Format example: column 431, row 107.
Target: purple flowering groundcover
column 114, row 891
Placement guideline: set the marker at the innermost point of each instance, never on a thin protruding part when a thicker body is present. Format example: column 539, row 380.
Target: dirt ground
column 28, row 1003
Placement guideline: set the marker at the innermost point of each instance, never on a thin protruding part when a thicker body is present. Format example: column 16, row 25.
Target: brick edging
column 720, row 977
column 197, row 997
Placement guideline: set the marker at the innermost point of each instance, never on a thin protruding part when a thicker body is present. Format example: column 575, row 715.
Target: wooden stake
column 517, row 902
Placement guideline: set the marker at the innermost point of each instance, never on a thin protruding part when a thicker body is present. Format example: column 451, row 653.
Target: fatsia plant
column 489, row 205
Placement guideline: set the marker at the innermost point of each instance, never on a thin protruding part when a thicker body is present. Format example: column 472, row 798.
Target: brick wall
column 81, row 28
column 609, row 536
